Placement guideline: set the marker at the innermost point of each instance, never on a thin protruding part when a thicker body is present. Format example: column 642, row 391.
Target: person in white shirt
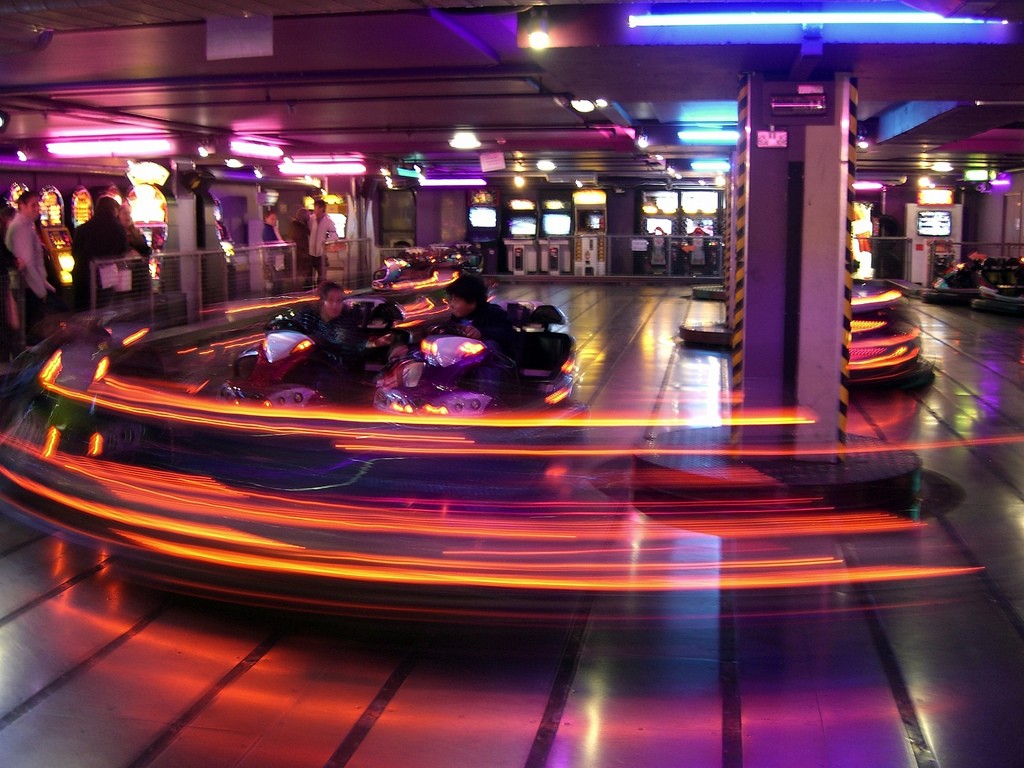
column 321, row 231
column 23, row 241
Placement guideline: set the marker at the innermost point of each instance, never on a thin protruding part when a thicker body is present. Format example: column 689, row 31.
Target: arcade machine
column 934, row 226
column 17, row 189
column 521, row 242
column 658, row 220
column 591, row 253
column 56, row 237
column 483, row 227
column 861, row 230
column 81, row 206
column 148, row 203
column 701, row 209
column 555, row 235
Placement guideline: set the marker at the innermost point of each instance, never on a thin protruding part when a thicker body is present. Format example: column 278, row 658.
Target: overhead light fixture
column 797, row 18
column 709, row 135
column 710, row 166
column 233, row 162
column 109, row 148
column 976, row 174
column 601, row 103
column 537, row 35
column 453, row 182
column 206, row 148
column 642, row 141
column 325, row 167
column 519, row 181
column 868, row 186
column 942, row 166
column 582, row 105
column 464, row 140
column 22, row 156
column 252, row 149
column 545, row 165
column 5, row 120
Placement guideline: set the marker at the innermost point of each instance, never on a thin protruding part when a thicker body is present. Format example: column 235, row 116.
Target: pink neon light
column 109, row 148
column 251, row 149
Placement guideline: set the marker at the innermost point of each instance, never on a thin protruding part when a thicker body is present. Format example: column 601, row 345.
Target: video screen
column 483, row 217
column 522, row 226
column 557, row 224
column 934, row 223
column 659, row 226
column 592, row 221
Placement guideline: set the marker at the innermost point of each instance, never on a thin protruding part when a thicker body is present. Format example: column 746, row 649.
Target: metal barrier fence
column 890, row 258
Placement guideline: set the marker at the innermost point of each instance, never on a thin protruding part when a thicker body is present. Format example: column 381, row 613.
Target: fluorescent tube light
column 711, row 166
column 322, row 168
column 453, row 182
column 808, row 18
column 252, row 149
column 109, row 148
column 708, row 136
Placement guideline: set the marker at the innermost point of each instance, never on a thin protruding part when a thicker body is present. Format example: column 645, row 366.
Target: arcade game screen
column 557, row 224
column 934, row 223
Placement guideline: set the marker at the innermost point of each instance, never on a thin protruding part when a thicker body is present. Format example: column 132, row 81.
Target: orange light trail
column 551, row 546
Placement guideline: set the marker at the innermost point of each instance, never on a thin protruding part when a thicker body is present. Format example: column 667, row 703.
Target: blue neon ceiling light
column 708, row 135
column 710, row 166
column 802, row 18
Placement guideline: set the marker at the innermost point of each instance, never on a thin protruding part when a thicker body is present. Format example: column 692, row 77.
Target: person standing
column 23, row 241
column 321, row 230
column 137, row 244
column 271, row 234
column 299, row 234
column 101, row 238
column 10, row 315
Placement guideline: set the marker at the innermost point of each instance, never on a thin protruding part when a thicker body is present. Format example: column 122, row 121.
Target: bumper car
column 960, row 283
column 885, row 346
column 1001, row 290
column 425, row 269
column 288, row 367
column 453, row 375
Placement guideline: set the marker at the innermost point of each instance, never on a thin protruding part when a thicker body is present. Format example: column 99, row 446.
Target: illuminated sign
column 147, row 173
column 935, row 197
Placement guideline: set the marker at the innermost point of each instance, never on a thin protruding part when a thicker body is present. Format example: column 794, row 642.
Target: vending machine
column 521, row 239
column 591, row 252
column 56, row 236
column 555, row 242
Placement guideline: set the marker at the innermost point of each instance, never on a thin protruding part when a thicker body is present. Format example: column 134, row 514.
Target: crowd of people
column 31, row 291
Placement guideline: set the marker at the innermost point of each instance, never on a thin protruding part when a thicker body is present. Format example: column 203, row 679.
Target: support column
column 792, row 256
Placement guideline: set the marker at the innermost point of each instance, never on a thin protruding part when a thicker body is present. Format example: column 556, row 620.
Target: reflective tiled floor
column 904, row 671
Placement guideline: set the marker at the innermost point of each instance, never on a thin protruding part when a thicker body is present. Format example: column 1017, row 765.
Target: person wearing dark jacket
column 476, row 318
column 101, row 237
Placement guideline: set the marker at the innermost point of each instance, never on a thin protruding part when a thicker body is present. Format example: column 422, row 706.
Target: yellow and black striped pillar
column 851, row 176
column 737, row 273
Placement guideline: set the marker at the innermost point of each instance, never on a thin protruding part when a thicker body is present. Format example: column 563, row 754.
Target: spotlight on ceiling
column 4, row 120
column 537, row 30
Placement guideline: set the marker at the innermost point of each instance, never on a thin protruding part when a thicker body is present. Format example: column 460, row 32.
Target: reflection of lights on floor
column 544, row 546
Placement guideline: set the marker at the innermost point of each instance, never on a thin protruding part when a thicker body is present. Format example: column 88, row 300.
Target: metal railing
column 617, row 256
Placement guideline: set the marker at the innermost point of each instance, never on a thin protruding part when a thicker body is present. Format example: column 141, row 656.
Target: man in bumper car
column 474, row 317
